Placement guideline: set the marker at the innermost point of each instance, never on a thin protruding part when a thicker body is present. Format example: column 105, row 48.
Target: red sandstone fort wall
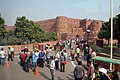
column 47, row 25
column 10, row 27
column 70, row 27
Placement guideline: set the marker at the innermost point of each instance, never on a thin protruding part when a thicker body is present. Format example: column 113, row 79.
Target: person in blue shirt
column 41, row 59
column 34, row 57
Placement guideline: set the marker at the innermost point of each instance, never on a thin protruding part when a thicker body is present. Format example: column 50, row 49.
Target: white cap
column 103, row 70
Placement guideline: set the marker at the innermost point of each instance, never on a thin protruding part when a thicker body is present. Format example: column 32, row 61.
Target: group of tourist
column 88, row 54
column 79, row 72
column 41, row 58
column 8, row 56
column 56, row 60
column 76, row 55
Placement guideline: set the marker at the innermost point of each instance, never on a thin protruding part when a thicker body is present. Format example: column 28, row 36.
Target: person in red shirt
column 90, row 71
column 25, row 62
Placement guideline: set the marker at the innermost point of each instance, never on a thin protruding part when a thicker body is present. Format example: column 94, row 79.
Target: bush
column 106, row 50
column 101, row 50
column 116, row 52
column 98, row 49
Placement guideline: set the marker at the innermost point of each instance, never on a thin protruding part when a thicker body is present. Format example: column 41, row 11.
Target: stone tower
column 61, row 26
column 95, row 27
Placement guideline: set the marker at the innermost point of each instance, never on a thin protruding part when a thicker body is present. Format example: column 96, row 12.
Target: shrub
column 106, row 50
column 98, row 49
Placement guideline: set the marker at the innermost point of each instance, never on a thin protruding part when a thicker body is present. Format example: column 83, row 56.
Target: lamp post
column 111, row 16
column 88, row 32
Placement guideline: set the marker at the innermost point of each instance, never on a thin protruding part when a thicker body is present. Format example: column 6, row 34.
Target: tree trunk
column 30, row 39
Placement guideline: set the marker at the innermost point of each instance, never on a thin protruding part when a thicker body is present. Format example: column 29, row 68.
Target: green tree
column 11, row 38
column 52, row 35
column 105, row 31
column 27, row 30
column 116, row 25
column 2, row 28
column 49, row 36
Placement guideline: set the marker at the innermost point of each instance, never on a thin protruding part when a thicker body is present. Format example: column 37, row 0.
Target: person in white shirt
column 78, row 50
column 2, row 53
column 52, row 66
column 93, row 54
column 57, row 56
column 12, row 51
column 65, row 54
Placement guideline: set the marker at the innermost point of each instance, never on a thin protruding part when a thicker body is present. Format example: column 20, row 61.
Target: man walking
column 34, row 58
column 52, row 66
column 12, row 52
column 79, row 71
column 2, row 54
column 57, row 56
column 62, row 65
column 90, row 71
column 9, row 54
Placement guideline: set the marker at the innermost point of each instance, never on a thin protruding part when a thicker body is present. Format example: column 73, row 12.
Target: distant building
column 69, row 27
column 10, row 27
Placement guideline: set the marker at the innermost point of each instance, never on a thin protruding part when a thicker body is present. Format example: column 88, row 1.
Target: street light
column 88, row 32
column 111, row 16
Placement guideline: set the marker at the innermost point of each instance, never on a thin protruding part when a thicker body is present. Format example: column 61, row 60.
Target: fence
column 18, row 48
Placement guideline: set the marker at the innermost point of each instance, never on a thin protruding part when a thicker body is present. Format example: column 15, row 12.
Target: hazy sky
column 37, row 10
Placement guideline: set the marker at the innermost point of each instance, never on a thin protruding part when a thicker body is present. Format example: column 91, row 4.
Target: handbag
column 65, row 62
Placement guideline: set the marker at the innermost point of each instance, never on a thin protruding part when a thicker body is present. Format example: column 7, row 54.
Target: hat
column 103, row 70
column 40, row 51
column 37, row 50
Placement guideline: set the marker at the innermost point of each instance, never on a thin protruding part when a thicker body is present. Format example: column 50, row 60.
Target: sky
column 38, row 10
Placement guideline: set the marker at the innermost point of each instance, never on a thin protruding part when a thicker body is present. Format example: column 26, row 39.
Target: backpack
column 62, row 58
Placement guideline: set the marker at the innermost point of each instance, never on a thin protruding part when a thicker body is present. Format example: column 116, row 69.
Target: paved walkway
column 15, row 72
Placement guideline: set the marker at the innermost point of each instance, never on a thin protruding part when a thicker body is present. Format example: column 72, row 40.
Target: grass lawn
column 116, row 51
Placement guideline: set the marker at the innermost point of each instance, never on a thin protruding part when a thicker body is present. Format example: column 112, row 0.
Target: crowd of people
column 88, row 54
column 30, row 59
column 76, row 54
column 41, row 58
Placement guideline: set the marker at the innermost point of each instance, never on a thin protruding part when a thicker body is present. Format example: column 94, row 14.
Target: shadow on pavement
column 71, row 75
column 43, row 75
column 2, row 73
column 69, row 78
column 59, row 78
